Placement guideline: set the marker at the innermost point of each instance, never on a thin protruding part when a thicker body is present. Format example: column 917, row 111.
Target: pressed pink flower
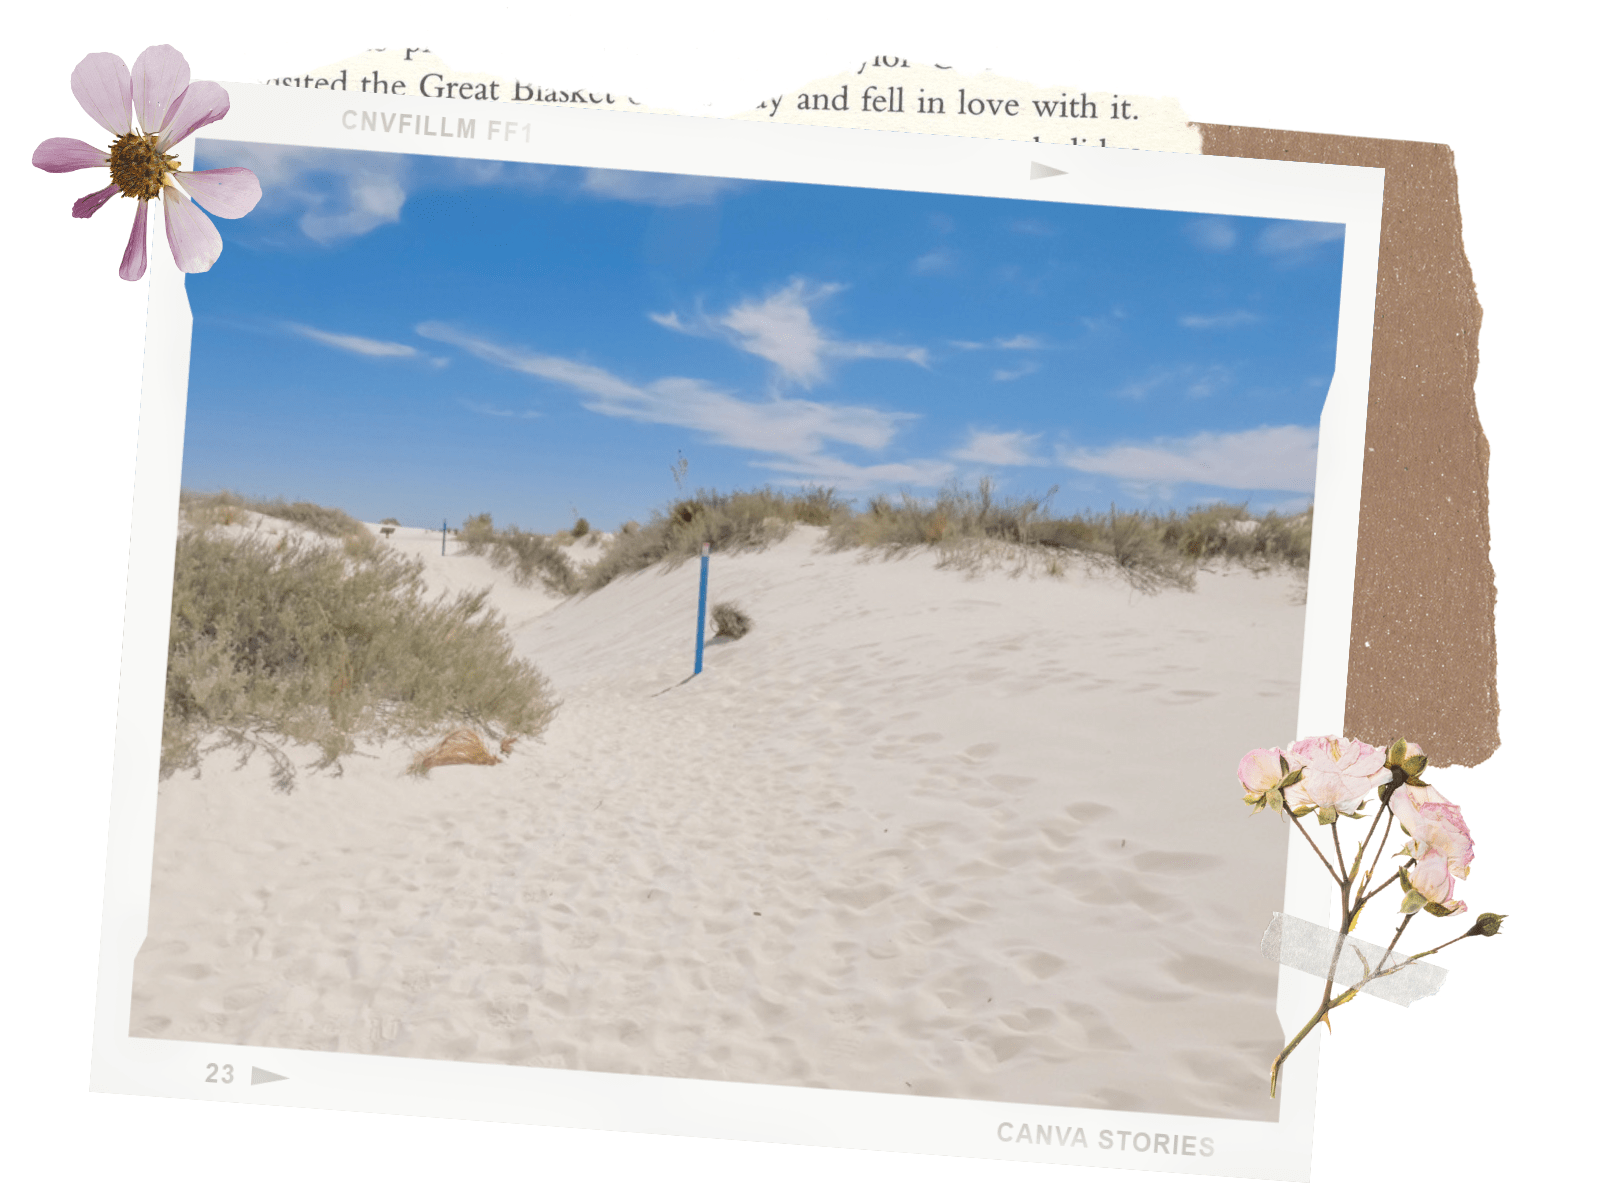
column 1261, row 770
column 1335, row 774
column 1434, row 880
column 1264, row 776
column 1435, row 825
column 168, row 109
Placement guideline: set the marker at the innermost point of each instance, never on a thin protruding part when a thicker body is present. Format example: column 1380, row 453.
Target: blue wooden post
column 444, row 528
column 700, row 626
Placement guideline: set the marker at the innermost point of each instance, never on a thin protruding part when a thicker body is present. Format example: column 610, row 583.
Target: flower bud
column 1409, row 758
column 1487, row 925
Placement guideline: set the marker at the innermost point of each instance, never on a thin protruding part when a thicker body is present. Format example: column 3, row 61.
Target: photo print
column 704, row 629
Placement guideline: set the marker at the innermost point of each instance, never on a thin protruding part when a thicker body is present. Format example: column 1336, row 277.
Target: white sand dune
column 917, row 833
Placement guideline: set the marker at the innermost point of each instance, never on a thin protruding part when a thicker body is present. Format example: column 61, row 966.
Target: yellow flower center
column 138, row 168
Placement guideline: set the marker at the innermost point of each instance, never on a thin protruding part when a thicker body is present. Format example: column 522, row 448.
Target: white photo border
column 1351, row 196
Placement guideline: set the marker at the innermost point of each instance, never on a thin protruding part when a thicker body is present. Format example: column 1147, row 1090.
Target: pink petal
column 100, row 82
column 136, row 257
column 225, row 192
column 201, row 103
column 159, row 76
column 68, row 154
column 195, row 242
column 90, row 204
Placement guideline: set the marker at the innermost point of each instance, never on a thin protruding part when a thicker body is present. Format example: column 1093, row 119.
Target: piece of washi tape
column 1309, row 947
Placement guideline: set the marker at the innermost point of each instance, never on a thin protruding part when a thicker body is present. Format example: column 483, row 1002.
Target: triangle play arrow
column 1040, row 171
column 257, row 1075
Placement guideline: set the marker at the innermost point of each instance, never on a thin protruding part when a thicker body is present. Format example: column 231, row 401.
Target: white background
column 1482, row 1089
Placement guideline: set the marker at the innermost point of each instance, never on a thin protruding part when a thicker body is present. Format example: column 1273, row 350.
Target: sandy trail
column 918, row 833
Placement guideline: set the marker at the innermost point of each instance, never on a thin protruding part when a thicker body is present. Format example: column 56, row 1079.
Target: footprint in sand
column 1169, row 862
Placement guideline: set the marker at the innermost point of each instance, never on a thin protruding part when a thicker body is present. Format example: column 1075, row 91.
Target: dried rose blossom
column 1337, row 773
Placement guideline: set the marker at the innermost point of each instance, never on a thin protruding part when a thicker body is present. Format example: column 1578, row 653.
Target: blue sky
column 429, row 338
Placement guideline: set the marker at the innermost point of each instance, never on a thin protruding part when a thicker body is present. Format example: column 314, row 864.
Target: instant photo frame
column 1351, row 197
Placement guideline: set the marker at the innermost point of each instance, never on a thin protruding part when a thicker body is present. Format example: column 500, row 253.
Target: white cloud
column 370, row 199
column 594, row 381
column 1019, row 341
column 649, row 187
column 1292, row 242
column 1099, row 326
column 1193, row 380
column 1015, row 449
column 779, row 426
column 1005, row 376
column 1227, row 320
column 781, row 330
column 821, row 470
column 1213, row 233
column 341, row 195
column 1277, row 458
column 783, row 426
column 489, row 410
column 368, row 347
column 934, row 262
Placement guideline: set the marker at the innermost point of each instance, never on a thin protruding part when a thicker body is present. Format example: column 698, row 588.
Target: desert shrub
column 275, row 640
column 580, row 528
column 530, row 557
column 954, row 514
column 227, row 508
column 729, row 521
column 1151, row 550
column 476, row 532
column 204, row 509
column 730, row 621
column 1229, row 531
column 1138, row 548
column 818, row 506
column 390, row 521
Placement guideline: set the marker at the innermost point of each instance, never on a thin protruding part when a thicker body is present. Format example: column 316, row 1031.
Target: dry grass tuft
column 458, row 748
column 730, row 621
